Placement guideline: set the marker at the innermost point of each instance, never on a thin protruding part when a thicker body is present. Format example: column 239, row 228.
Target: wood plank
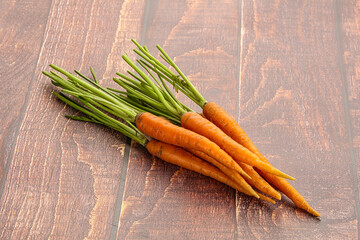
column 162, row 201
column 64, row 177
column 291, row 105
column 21, row 35
column 349, row 12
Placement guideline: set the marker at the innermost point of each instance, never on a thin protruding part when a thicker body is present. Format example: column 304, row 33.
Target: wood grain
column 64, row 177
column 291, row 104
column 20, row 39
column 288, row 70
column 350, row 32
column 162, row 201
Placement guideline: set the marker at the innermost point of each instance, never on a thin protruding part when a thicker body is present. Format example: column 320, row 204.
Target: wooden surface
column 289, row 71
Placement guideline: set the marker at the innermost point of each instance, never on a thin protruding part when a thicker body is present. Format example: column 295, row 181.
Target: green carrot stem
column 99, row 117
column 128, row 130
column 146, row 55
column 166, row 92
column 84, row 77
column 149, row 91
column 189, row 90
column 147, row 70
column 101, row 103
column 93, row 74
column 90, row 87
column 173, row 97
column 84, row 119
column 201, row 101
column 137, row 78
column 146, row 78
column 140, row 95
column 172, row 79
column 101, row 92
column 155, row 111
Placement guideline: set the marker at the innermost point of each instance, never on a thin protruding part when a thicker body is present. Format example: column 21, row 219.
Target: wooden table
column 289, row 71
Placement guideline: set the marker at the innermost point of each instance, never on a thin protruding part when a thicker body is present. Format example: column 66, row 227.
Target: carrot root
column 194, row 122
column 225, row 122
column 290, row 192
column 266, row 198
column 180, row 157
column 258, row 182
column 235, row 176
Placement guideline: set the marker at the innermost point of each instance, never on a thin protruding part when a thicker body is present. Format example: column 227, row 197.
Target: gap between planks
column 119, row 199
column 338, row 24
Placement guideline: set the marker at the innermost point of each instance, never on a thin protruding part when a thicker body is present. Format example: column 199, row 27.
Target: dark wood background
column 288, row 70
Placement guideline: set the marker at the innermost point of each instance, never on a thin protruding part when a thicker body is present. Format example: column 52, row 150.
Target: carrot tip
column 277, row 196
column 291, row 178
column 266, row 198
column 242, row 172
column 284, row 175
column 245, row 175
column 256, row 195
column 313, row 212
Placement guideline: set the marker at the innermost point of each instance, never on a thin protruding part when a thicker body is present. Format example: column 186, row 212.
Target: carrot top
column 178, row 79
column 93, row 100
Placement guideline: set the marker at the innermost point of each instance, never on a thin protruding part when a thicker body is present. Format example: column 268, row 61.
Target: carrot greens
column 147, row 111
column 217, row 116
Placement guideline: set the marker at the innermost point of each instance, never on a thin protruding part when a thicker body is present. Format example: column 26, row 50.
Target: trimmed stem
column 99, row 117
column 189, row 90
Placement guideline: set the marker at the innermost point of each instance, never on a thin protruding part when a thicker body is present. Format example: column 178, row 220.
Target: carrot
column 290, row 192
column 182, row 158
column 266, row 198
column 258, row 182
column 224, row 121
column 194, row 122
column 255, row 181
column 95, row 102
column 235, row 176
column 165, row 131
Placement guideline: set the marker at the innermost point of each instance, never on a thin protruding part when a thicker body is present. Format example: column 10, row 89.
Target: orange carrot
column 266, row 198
column 221, row 118
column 258, row 182
column 290, row 192
column 194, row 122
column 164, row 131
column 235, row 176
column 255, row 181
column 182, row 158
column 225, row 122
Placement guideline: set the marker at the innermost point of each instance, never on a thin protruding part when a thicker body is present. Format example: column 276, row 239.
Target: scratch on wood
column 120, row 147
column 218, row 52
column 61, row 176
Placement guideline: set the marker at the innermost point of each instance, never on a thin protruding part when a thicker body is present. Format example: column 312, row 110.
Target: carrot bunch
column 215, row 124
column 147, row 111
column 160, row 137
